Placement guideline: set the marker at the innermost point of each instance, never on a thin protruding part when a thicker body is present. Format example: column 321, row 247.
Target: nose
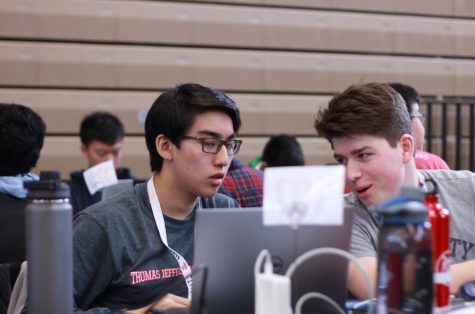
column 353, row 171
column 222, row 158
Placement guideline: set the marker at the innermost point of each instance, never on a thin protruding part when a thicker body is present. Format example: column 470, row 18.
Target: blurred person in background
column 282, row 150
column 424, row 160
column 244, row 184
column 21, row 140
column 102, row 139
column 22, row 133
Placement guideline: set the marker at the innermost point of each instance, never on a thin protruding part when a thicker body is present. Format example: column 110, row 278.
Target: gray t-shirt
column 456, row 193
column 119, row 259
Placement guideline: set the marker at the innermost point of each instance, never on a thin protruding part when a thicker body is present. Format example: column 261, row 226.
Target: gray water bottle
column 49, row 246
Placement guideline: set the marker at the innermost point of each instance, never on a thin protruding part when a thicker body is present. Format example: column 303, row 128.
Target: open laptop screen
column 228, row 241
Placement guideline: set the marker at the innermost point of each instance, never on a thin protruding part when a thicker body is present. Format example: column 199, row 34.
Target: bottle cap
column 407, row 208
column 48, row 187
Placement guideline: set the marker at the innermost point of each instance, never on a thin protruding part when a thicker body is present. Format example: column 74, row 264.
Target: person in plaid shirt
column 244, row 184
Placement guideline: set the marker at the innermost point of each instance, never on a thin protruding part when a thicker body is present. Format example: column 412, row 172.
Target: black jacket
column 12, row 228
column 80, row 197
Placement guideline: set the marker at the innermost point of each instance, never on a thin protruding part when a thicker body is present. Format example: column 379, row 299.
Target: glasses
column 213, row 145
column 421, row 116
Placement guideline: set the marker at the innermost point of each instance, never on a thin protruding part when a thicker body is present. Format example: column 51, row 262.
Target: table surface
column 458, row 306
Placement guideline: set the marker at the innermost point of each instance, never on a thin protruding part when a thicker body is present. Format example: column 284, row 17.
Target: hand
column 171, row 301
column 356, row 282
column 461, row 273
column 166, row 302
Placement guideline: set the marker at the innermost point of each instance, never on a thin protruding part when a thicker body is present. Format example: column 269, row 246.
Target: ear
column 164, row 147
column 83, row 149
column 262, row 165
column 407, row 146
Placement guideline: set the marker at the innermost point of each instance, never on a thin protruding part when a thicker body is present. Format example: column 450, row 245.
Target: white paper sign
column 304, row 195
column 100, row 176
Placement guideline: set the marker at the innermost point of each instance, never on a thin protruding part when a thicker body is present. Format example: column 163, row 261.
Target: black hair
column 408, row 93
column 174, row 112
column 101, row 126
column 22, row 135
column 283, row 150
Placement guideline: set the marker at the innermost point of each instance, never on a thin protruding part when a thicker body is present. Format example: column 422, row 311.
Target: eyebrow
column 353, row 152
column 215, row 135
column 359, row 150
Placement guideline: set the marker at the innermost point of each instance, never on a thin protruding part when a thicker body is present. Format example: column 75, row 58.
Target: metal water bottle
column 49, row 246
column 404, row 256
column 439, row 218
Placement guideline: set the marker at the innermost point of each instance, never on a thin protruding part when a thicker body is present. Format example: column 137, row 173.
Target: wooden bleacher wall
column 279, row 59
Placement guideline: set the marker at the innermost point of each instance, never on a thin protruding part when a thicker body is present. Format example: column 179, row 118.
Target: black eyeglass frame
column 421, row 116
column 202, row 140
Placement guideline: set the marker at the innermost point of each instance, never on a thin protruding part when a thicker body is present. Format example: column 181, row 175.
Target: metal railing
column 450, row 130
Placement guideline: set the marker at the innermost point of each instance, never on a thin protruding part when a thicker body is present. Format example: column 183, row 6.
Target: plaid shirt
column 244, row 184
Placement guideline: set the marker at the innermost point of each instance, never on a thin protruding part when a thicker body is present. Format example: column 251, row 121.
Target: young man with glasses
column 424, row 160
column 130, row 249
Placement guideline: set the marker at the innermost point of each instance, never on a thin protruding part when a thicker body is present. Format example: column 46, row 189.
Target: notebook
column 228, row 241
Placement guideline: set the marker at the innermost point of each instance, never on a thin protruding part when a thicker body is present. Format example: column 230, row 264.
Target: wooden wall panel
column 189, row 24
column 279, row 59
column 261, row 114
column 456, row 8
column 103, row 66
column 63, row 110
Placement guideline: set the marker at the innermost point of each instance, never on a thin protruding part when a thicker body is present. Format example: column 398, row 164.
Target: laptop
column 198, row 305
column 121, row 186
column 228, row 241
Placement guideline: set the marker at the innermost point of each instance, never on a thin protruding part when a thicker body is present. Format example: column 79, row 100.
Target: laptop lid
column 121, row 186
column 228, row 241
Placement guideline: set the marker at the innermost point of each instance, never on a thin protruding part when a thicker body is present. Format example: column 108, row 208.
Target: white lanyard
column 158, row 215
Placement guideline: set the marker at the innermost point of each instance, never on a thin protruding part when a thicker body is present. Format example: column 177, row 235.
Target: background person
column 21, row 137
column 22, row 133
column 244, row 184
column 282, row 150
column 424, row 160
column 102, row 139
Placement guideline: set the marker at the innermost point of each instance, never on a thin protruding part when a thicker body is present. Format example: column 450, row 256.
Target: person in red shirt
column 424, row 160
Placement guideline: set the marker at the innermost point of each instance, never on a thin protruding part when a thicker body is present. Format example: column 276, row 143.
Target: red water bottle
column 439, row 218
